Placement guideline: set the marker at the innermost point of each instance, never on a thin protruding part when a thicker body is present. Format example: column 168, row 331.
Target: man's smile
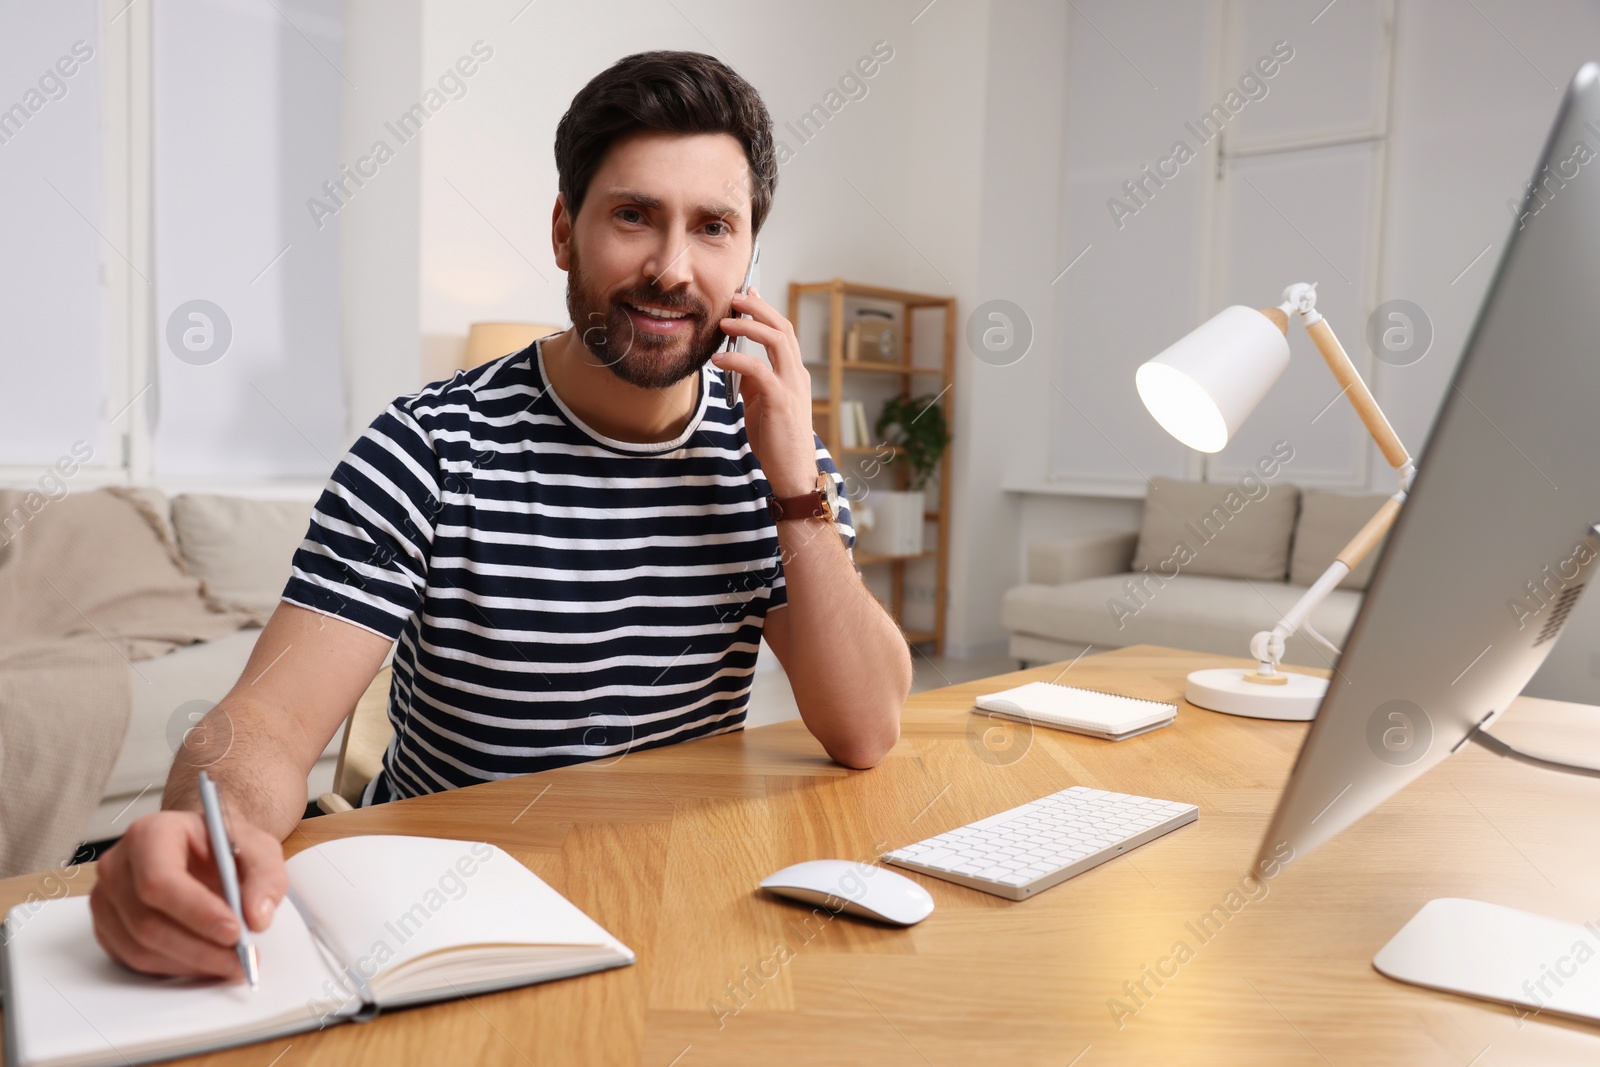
column 658, row 320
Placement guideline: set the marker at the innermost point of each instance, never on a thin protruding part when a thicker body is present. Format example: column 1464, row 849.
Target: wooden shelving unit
column 913, row 379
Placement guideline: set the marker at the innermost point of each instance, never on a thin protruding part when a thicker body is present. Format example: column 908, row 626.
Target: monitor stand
column 1535, row 963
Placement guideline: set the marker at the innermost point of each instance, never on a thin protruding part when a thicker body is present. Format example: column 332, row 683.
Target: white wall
column 380, row 226
column 1003, row 408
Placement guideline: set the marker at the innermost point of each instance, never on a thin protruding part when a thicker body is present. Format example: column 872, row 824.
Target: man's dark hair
column 675, row 92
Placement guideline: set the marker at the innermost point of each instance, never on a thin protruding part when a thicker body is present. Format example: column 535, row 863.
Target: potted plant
column 916, row 426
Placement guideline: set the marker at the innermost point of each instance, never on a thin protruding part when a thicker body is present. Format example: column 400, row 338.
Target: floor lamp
column 1201, row 390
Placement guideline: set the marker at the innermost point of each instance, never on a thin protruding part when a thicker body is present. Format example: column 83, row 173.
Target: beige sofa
column 1229, row 592
column 1113, row 588
column 242, row 549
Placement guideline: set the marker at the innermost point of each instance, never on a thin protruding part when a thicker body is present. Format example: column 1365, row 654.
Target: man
column 578, row 547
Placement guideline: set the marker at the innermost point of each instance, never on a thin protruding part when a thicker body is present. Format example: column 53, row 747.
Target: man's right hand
column 158, row 904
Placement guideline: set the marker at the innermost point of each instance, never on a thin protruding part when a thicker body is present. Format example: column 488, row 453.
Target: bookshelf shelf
column 910, row 375
column 864, row 558
column 881, row 368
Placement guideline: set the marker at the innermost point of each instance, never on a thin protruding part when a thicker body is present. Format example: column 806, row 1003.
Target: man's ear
column 561, row 232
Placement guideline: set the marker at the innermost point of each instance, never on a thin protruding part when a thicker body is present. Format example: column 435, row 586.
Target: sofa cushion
column 1085, row 555
column 168, row 694
column 163, row 686
column 1327, row 522
column 1217, row 528
column 1198, row 612
column 241, row 546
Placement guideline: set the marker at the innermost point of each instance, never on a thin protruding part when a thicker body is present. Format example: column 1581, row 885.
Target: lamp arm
column 1361, row 397
column 1370, row 534
column 1267, row 646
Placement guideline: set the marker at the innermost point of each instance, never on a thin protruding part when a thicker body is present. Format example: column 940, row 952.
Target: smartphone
column 752, row 276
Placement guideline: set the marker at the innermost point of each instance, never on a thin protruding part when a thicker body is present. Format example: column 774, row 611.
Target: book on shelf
column 370, row 923
column 848, row 436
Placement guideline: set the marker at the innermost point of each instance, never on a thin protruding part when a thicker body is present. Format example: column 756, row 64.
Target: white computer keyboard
column 1019, row 852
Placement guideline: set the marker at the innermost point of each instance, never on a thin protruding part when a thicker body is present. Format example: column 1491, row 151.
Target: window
column 52, row 276
column 246, row 103
column 1237, row 150
column 169, row 298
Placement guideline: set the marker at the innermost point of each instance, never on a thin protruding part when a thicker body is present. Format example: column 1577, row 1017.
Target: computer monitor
column 1489, row 555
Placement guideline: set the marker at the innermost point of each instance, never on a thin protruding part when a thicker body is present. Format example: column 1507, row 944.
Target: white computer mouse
column 864, row 890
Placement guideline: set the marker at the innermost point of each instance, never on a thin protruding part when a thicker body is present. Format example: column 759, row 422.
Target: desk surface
column 665, row 848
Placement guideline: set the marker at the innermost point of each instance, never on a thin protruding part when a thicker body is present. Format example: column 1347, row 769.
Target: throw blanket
column 89, row 583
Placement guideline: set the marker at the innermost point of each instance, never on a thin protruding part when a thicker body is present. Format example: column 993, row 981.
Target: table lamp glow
column 491, row 340
column 1201, row 389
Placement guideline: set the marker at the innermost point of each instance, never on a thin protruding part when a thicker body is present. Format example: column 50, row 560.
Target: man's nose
column 671, row 266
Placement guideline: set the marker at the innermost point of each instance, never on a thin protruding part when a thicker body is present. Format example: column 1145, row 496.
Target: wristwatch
column 820, row 503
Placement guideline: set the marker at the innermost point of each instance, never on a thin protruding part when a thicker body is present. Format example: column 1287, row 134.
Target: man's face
column 659, row 247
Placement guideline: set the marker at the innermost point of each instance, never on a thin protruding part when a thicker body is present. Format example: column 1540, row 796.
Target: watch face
column 831, row 492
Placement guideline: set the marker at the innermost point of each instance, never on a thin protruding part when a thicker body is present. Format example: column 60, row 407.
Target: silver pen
column 222, row 852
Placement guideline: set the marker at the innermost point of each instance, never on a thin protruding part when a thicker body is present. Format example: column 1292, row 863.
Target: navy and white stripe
column 557, row 596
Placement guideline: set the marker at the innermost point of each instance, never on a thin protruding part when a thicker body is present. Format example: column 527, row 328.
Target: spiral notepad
column 1082, row 711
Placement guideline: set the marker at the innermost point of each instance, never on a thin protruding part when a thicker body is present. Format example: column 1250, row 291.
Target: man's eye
column 722, row 231
column 629, row 214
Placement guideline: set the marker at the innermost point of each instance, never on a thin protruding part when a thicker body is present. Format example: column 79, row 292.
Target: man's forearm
column 849, row 665
column 237, row 744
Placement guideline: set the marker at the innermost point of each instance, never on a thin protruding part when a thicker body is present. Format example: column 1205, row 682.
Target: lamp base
column 1224, row 689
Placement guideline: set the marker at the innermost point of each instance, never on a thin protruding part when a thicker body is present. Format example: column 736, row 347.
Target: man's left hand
column 777, row 397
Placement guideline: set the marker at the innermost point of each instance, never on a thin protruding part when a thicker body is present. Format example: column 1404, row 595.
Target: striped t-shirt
column 557, row 596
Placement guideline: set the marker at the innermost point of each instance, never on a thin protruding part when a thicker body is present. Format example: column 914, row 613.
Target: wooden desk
column 665, row 849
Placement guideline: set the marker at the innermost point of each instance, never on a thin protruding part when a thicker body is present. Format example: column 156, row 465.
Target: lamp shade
column 491, row 340
column 1203, row 387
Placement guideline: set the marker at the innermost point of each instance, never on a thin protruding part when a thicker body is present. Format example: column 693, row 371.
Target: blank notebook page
column 78, row 1005
column 1067, row 704
column 391, row 900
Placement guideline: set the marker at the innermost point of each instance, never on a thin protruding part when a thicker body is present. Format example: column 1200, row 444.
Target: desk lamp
column 1201, row 389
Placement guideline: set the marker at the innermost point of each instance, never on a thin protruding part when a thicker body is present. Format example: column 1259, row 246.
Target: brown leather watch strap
column 812, row 505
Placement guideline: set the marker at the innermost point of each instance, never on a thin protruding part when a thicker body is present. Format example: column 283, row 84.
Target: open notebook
column 1083, row 711
column 372, row 922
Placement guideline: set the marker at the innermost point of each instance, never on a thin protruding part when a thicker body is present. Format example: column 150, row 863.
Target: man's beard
column 646, row 360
